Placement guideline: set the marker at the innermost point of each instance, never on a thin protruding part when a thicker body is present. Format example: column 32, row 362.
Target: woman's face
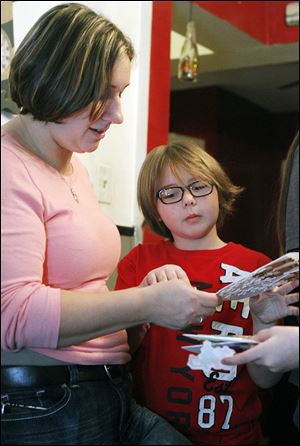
column 77, row 133
column 192, row 218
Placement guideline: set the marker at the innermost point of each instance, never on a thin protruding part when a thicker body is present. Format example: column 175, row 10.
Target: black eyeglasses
column 174, row 194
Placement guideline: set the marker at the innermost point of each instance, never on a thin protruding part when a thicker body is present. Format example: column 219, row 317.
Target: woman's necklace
column 36, row 151
column 69, row 184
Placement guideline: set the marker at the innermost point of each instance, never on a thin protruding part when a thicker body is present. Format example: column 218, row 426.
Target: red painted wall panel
column 160, row 75
column 279, row 32
column 263, row 20
column 159, row 88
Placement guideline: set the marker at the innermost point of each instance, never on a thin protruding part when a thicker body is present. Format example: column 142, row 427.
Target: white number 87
column 206, row 415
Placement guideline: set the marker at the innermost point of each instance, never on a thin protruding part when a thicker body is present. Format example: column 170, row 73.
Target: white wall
column 124, row 146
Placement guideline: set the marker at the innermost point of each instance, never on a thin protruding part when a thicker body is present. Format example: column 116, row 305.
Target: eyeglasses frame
column 183, row 188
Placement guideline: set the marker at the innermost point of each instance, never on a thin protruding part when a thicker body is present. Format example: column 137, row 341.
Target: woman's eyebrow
column 116, row 86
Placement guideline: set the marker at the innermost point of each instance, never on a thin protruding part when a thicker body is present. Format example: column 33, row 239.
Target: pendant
column 74, row 195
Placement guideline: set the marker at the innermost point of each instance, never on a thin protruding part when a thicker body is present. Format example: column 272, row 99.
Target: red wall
column 160, row 80
column 160, row 75
column 263, row 20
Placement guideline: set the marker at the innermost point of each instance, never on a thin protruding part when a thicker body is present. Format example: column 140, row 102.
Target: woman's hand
column 176, row 304
column 179, row 304
column 276, row 304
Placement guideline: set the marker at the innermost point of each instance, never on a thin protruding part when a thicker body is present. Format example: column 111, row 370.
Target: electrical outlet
column 104, row 183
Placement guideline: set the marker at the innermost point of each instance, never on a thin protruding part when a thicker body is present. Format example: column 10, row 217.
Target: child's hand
column 136, row 335
column 276, row 304
column 164, row 273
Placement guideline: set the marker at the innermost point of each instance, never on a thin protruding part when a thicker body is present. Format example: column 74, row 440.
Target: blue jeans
column 88, row 413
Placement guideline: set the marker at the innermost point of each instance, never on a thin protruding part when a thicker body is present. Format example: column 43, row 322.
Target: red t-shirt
column 224, row 407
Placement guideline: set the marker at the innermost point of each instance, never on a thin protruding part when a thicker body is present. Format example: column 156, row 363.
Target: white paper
column 237, row 343
column 219, row 338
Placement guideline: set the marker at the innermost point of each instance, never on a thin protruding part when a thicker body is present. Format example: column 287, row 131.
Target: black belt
column 35, row 376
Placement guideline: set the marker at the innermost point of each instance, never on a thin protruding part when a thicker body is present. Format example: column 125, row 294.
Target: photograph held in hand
column 263, row 279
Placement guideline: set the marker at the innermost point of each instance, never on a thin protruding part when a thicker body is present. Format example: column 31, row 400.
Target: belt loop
column 74, row 374
column 118, row 376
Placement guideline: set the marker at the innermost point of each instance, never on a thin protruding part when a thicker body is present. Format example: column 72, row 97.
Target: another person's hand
column 136, row 335
column 278, row 350
column 164, row 273
column 276, row 304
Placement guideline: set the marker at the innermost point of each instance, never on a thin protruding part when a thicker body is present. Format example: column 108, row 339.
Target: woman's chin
column 88, row 148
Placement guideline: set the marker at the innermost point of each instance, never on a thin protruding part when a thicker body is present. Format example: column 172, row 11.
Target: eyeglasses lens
column 174, row 194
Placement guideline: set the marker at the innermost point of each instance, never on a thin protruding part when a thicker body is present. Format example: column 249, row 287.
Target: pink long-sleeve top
column 52, row 242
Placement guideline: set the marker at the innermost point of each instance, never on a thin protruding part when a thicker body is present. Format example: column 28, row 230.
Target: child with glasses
column 185, row 196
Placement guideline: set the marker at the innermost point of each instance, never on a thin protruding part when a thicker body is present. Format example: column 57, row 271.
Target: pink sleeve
column 30, row 310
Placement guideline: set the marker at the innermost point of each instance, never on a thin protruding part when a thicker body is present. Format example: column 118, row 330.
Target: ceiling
column 266, row 75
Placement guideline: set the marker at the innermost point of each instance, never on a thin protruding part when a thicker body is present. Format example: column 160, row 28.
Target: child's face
column 192, row 218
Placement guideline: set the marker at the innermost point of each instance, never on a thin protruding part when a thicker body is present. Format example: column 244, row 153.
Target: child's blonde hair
column 198, row 163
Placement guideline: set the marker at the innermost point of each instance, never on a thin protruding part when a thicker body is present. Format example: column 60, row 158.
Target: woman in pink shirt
column 64, row 342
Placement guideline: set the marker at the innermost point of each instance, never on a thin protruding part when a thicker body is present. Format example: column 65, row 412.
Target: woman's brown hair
column 65, row 63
